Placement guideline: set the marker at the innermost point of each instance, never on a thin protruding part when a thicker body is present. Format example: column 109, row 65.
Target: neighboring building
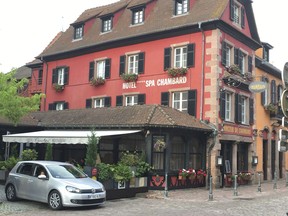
column 268, row 118
column 194, row 56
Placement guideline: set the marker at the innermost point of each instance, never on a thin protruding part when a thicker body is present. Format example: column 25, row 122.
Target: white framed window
column 133, row 64
column 244, row 109
column 228, row 106
column 60, row 106
column 107, row 24
column 180, row 101
column 180, row 57
column 181, row 7
column 228, row 54
column 78, row 32
column 131, row 100
column 61, row 74
column 100, row 69
column 243, row 62
column 237, row 13
column 98, row 102
column 138, row 16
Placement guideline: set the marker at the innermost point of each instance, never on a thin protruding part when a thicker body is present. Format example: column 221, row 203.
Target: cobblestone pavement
column 270, row 201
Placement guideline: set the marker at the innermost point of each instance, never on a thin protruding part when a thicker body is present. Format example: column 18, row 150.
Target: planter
column 141, row 182
column 121, row 185
column 3, row 175
column 108, row 184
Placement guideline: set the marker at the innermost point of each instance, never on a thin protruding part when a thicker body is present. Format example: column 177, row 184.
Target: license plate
column 94, row 196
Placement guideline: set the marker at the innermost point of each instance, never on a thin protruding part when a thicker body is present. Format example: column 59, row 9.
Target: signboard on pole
column 284, row 75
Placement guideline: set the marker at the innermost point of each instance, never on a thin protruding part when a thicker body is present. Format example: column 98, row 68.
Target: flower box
column 177, row 71
column 58, row 88
column 129, row 77
column 97, row 81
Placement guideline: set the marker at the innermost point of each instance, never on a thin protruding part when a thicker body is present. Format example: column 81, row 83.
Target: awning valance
column 61, row 137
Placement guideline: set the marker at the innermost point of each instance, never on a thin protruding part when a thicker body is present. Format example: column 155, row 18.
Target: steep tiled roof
column 160, row 19
column 131, row 116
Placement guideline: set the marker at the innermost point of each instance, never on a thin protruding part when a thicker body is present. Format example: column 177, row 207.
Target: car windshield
column 65, row 171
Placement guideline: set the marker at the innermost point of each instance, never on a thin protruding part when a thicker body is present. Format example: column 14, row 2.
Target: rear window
column 25, row 169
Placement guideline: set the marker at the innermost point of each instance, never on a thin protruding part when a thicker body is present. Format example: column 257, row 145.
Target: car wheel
column 54, row 200
column 11, row 193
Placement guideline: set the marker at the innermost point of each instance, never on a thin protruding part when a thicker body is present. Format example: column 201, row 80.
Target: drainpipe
column 45, row 84
column 202, row 71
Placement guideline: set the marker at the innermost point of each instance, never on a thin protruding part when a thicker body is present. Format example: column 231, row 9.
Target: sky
column 28, row 26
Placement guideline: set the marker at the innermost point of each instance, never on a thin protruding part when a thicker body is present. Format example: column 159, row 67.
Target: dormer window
column 237, row 13
column 107, row 24
column 181, row 7
column 78, row 32
column 137, row 16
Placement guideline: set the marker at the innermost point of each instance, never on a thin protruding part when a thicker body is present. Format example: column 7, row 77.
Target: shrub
column 29, row 154
column 104, row 171
column 11, row 162
column 91, row 154
column 48, row 153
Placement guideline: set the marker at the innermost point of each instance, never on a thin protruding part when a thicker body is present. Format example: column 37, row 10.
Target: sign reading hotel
column 257, row 86
column 157, row 82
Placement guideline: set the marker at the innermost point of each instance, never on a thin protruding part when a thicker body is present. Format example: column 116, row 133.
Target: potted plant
column 91, row 154
column 58, row 87
column 6, row 167
column 96, row 81
column 141, row 174
column 131, row 77
column 177, row 71
column 121, row 174
column 272, row 108
column 104, row 175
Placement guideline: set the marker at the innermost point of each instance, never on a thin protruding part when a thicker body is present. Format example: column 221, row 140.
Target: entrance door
column 265, row 158
column 273, row 155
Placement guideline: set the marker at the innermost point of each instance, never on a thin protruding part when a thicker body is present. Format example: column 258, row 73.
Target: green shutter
column 167, row 58
column 141, row 62
column 192, row 102
column 190, row 55
column 91, row 70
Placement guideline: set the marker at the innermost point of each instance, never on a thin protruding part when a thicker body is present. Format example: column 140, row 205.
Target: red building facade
column 175, row 53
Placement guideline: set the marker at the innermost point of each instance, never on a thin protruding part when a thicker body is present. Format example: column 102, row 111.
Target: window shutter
column 54, row 76
column 263, row 99
column 107, row 102
column 122, row 65
column 107, row 68
column 192, row 96
column 167, row 58
column 224, row 51
column 175, row 7
column 232, row 10
column 165, row 98
column 279, row 90
column 273, row 92
column 88, row 103
column 91, row 70
column 236, row 56
column 250, row 64
column 237, row 111
column 66, row 106
column 66, row 75
column 40, row 76
column 141, row 99
column 240, row 58
column 222, row 104
column 251, row 111
column 141, row 63
column 119, row 100
column 242, row 17
column 190, row 55
column 51, row 106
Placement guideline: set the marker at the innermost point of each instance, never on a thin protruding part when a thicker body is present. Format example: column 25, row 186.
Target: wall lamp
column 254, row 160
column 219, row 161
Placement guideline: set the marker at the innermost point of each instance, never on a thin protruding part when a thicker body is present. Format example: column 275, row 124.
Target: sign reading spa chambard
column 257, row 86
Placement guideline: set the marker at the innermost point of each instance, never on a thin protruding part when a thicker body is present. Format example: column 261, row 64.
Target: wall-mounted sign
column 257, row 86
column 284, row 75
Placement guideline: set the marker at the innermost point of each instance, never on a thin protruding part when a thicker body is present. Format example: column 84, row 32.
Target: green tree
column 91, row 154
column 13, row 106
column 48, row 153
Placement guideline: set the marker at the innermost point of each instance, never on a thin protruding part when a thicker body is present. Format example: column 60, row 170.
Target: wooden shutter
column 107, row 68
column 141, row 99
column 141, row 61
column 232, row 10
column 54, row 76
column 192, row 102
column 89, row 103
column 263, row 98
column 279, row 90
column 242, row 17
column 167, row 58
column 190, row 55
column 251, row 111
column 107, row 102
column 273, row 92
column 237, row 108
column 224, row 53
column 40, row 76
column 236, row 56
column 165, row 98
column 122, row 65
column 66, row 75
column 222, row 104
column 66, row 106
column 119, row 100
column 52, row 106
column 250, row 64
column 91, row 70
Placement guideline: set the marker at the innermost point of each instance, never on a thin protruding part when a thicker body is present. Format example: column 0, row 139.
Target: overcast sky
column 28, row 26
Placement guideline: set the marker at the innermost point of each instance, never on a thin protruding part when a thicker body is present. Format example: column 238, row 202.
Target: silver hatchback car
column 56, row 183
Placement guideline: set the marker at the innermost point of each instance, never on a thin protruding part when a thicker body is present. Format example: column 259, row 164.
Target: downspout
column 45, row 84
column 202, row 71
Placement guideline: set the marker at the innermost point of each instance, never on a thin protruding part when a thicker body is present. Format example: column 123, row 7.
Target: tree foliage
column 91, row 154
column 13, row 106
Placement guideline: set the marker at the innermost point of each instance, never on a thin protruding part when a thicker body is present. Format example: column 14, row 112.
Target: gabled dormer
column 107, row 23
column 237, row 13
column 138, row 15
column 266, row 49
column 78, row 31
column 181, row 7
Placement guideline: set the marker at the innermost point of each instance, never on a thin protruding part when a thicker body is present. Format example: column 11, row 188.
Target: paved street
column 272, row 202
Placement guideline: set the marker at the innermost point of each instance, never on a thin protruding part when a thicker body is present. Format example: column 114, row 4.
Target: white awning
column 61, row 137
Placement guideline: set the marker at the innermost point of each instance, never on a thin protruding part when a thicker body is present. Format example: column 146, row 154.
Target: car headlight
column 73, row 189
